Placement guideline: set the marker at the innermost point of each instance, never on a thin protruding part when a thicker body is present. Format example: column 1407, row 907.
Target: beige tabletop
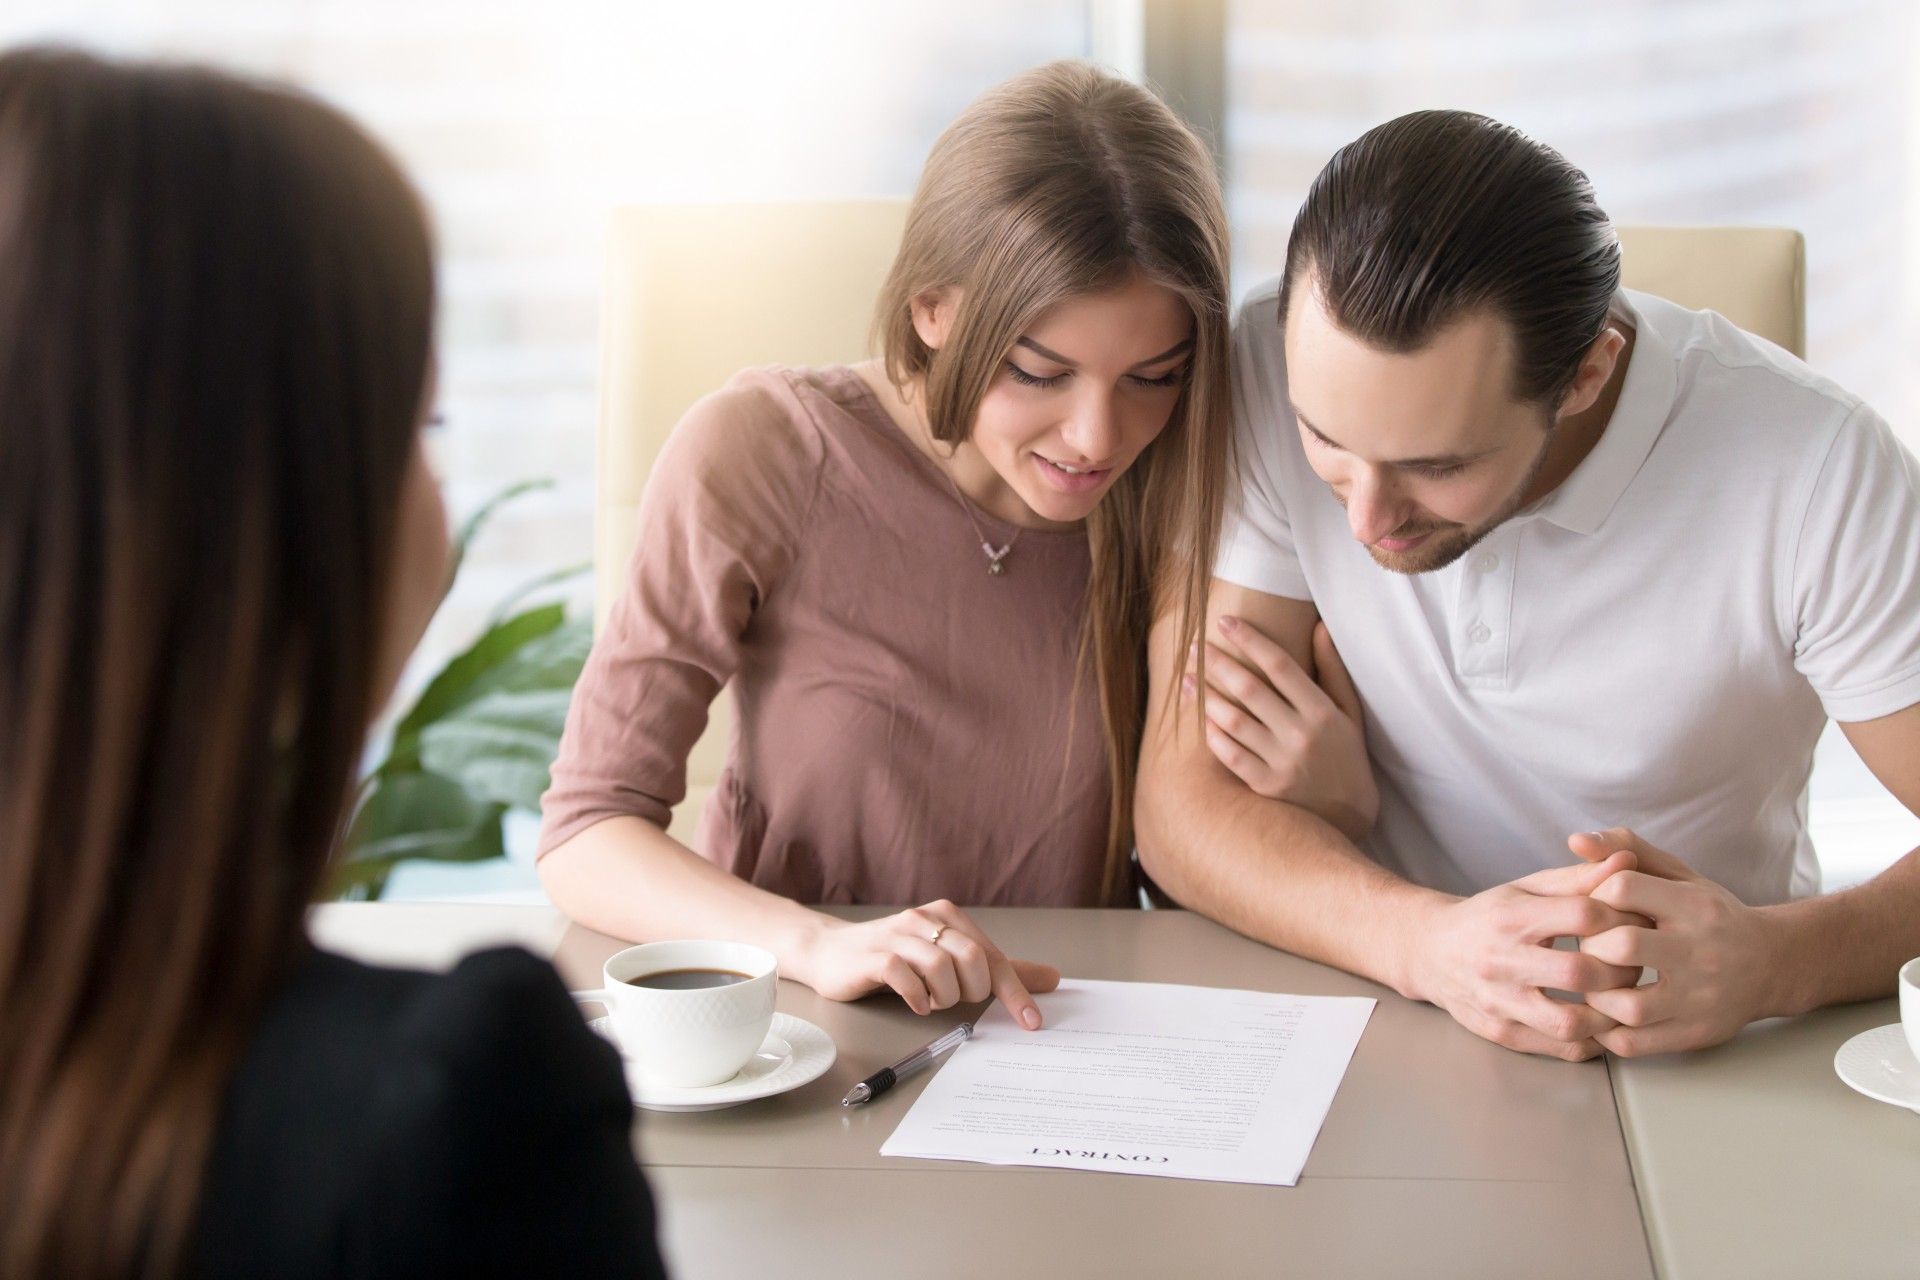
column 1010, row 1224
column 1754, row 1160
column 1441, row 1156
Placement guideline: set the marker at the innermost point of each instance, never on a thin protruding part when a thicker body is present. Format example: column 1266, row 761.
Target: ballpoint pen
column 886, row 1077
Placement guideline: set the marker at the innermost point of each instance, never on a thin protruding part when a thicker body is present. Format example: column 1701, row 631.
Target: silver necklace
column 996, row 556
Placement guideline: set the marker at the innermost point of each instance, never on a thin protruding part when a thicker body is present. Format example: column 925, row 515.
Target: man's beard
column 1451, row 541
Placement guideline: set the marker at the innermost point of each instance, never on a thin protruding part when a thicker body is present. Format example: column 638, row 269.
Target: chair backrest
column 696, row 292
column 1754, row 276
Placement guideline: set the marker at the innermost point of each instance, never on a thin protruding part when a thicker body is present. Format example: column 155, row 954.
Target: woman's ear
column 933, row 316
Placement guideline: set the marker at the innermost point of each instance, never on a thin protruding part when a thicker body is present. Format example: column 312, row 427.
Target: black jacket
column 392, row 1123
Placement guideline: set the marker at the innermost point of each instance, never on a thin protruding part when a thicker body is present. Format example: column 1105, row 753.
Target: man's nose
column 1373, row 509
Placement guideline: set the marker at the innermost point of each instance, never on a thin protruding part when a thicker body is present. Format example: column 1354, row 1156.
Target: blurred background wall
column 526, row 123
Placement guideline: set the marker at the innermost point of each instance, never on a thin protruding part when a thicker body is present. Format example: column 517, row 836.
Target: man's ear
column 1595, row 368
column 933, row 313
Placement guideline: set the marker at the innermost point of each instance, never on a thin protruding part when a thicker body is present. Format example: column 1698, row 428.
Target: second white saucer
column 795, row 1052
column 1879, row 1064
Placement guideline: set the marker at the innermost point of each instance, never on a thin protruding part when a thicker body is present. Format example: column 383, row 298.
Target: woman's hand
column 934, row 956
column 1283, row 735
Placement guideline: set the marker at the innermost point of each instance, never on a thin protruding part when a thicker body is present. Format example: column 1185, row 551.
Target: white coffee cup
column 1910, row 1004
column 693, row 1037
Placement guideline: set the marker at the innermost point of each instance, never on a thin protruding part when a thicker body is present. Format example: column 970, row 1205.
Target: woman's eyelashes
column 1026, row 379
column 1172, row 378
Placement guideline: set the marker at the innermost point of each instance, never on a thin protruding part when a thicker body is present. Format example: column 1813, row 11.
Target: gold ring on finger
column 935, row 935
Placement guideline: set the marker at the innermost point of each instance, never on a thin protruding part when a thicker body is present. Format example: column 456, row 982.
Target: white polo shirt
column 1655, row 644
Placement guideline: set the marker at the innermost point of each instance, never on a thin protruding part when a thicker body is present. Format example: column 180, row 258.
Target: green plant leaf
column 551, row 660
column 359, row 882
column 416, row 815
column 502, row 736
column 541, row 583
column 464, row 678
column 479, row 739
column 500, row 747
column 470, row 527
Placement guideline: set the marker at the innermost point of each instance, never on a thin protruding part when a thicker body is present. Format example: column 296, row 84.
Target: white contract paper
column 1143, row 1077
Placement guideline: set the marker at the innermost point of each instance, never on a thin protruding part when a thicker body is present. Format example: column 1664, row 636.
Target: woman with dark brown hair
column 218, row 542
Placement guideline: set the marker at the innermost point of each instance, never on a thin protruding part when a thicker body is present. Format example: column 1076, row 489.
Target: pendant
column 994, row 557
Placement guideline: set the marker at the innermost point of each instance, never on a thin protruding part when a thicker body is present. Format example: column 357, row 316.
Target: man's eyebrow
column 1177, row 349
column 1433, row 460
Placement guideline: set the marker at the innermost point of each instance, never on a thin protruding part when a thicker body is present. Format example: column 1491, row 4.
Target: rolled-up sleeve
column 720, row 520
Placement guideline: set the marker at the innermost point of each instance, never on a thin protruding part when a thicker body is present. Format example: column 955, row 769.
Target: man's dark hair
column 1439, row 213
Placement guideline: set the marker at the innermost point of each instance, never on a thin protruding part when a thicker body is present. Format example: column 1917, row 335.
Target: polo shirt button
column 1487, row 562
column 1481, row 633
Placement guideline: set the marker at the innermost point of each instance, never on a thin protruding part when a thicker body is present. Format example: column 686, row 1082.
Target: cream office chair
column 696, row 292
column 1754, row 276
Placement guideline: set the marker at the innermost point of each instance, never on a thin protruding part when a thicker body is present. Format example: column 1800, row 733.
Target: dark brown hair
column 215, row 331
column 1439, row 213
column 1064, row 181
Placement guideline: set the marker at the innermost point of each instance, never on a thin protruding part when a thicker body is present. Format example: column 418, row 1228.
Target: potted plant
column 478, row 740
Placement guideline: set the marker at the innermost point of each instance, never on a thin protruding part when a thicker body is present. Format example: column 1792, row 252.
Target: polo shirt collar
column 1585, row 498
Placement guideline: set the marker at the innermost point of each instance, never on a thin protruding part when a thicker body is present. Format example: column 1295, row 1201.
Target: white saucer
column 1879, row 1064
column 794, row 1053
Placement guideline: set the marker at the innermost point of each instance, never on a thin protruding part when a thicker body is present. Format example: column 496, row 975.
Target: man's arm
column 1723, row 964
column 1275, row 872
column 1266, row 868
column 1880, row 919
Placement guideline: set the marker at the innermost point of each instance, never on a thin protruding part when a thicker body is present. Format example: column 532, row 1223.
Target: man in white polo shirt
column 1600, row 568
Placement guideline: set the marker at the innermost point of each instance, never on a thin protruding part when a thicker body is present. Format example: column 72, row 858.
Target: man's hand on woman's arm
column 1276, row 871
column 1279, row 731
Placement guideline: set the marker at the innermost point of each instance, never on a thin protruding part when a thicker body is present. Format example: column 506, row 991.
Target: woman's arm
column 725, row 512
column 627, row 877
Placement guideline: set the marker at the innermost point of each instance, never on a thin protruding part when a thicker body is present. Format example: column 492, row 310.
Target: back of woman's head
column 1066, row 181
column 215, row 333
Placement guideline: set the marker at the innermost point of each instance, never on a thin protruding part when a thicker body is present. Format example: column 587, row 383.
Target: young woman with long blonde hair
column 928, row 578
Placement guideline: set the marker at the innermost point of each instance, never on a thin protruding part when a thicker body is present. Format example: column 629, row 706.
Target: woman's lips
column 1070, row 481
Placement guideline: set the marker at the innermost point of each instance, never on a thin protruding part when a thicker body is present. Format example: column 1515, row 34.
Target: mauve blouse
column 908, row 727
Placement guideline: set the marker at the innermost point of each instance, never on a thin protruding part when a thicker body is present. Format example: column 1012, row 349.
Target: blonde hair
column 1065, row 181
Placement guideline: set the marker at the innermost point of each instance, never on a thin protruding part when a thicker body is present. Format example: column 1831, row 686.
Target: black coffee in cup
column 687, row 979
